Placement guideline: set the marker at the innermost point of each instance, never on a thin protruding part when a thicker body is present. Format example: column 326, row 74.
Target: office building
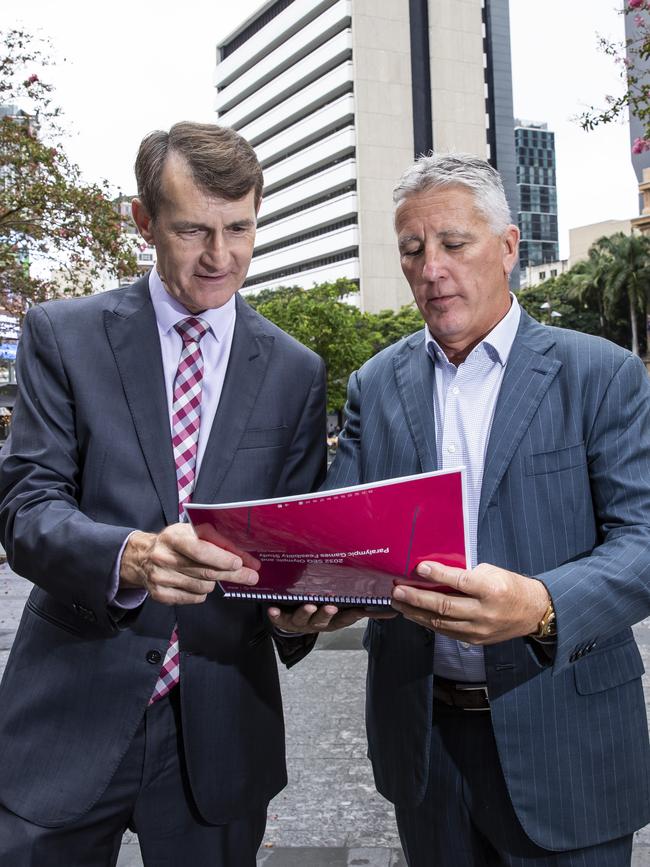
column 145, row 254
column 535, row 149
column 582, row 238
column 337, row 97
column 641, row 69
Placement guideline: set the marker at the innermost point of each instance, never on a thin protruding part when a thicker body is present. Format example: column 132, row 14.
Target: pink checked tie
column 186, row 419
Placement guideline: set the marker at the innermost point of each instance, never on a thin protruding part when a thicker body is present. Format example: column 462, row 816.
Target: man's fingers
column 458, row 579
column 458, row 629
column 179, row 544
column 162, row 585
column 292, row 621
column 312, row 618
column 442, row 604
column 172, row 587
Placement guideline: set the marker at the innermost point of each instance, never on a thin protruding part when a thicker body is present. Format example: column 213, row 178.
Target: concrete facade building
column 337, row 96
column 535, row 149
column 145, row 254
column 582, row 237
column 535, row 274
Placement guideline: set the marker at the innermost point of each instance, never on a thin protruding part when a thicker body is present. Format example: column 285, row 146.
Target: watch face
column 549, row 628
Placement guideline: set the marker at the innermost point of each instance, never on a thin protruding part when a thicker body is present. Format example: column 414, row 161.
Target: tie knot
column 191, row 329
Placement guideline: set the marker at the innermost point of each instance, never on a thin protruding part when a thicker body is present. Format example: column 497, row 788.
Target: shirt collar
column 498, row 343
column 169, row 311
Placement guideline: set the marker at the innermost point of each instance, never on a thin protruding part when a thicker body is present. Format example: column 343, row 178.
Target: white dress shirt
column 464, row 400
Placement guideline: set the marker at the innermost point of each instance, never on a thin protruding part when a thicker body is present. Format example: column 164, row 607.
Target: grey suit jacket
column 88, row 460
column 565, row 498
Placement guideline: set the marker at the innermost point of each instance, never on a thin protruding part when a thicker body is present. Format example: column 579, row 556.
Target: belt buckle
column 468, row 687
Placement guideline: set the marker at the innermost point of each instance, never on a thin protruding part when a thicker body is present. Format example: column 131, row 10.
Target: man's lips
column 438, row 299
column 211, row 276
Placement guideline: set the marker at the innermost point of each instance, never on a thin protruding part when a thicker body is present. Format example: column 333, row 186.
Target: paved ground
column 330, row 814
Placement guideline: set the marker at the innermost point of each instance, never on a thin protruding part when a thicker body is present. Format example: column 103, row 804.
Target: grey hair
column 458, row 169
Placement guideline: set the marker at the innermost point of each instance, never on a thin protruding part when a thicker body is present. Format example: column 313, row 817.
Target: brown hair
column 221, row 161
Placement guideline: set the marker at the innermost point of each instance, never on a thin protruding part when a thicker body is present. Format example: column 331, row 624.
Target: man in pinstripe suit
column 508, row 724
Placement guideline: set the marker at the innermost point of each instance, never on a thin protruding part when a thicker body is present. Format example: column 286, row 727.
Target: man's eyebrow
column 456, row 233
column 245, row 222
column 187, row 224
column 407, row 239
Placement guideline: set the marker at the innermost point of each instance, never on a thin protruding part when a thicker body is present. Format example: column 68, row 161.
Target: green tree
column 625, row 263
column 323, row 319
column 320, row 319
column 388, row 326
column 554, row 303
column 49, row 217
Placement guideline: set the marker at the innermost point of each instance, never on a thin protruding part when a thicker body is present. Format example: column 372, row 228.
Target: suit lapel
column 528, row 376
column 133, row 336
column 414, row 374
column 249, row 356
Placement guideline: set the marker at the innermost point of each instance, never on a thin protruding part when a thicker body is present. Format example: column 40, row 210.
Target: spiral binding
column 297, row 597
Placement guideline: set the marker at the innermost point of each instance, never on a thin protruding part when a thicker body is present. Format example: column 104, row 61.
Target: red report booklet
column 348, row 546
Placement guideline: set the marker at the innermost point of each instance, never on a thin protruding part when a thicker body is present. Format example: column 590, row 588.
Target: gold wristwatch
column 547, row 627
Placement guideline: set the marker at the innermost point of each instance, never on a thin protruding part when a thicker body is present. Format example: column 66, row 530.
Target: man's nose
column 215, row 252
column 433, row 267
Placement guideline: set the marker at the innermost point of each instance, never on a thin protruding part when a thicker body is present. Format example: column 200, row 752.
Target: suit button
column 154, row 656
column 84, row 612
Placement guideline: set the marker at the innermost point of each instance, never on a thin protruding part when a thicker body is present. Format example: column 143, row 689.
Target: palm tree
column 629, row 275
column 588, row 283
column 617, row 268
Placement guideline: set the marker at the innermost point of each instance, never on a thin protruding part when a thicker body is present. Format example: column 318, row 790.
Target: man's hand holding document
column 345, row 548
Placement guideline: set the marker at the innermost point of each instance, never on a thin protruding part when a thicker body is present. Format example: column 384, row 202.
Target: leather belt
column 464, row 696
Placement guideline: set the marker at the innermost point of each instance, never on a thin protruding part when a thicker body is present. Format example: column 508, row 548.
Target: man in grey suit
column 134, row 694
column 507, row 724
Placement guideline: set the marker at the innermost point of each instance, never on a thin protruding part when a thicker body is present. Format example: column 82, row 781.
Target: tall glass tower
column 535, row 151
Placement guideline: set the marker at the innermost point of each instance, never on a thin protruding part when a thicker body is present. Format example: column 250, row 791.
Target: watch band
column 547, row 627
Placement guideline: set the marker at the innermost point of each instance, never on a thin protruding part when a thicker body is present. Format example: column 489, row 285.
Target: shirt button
column 451, row 448
column 154, row 656
column 455, row 390
column 465, row 645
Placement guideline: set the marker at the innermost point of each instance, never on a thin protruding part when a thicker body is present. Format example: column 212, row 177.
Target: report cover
column 347, row 546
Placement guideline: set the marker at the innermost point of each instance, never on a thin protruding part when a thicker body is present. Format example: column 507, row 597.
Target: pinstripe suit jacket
column 565, row 498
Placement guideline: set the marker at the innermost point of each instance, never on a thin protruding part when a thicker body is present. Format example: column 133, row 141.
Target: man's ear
column 142, row 220
column 510, row 249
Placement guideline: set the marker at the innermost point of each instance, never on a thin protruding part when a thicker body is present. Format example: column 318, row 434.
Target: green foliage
column 49, row 217
column 606, row 294
column 321, row 320
column 389, row 326
column 618, row 271
column 556, row 296
column 338, row 331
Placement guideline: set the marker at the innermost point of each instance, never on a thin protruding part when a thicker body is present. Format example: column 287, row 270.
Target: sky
column 125, row 68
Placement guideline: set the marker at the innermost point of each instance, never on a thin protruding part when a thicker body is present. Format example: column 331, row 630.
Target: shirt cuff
column 283, row 633
column 125, row 598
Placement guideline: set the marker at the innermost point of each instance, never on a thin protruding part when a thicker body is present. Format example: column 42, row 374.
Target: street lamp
column 553, row 314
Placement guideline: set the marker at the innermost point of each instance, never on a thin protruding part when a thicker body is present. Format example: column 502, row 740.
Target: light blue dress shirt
column 464, row 399
column 215, row 349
